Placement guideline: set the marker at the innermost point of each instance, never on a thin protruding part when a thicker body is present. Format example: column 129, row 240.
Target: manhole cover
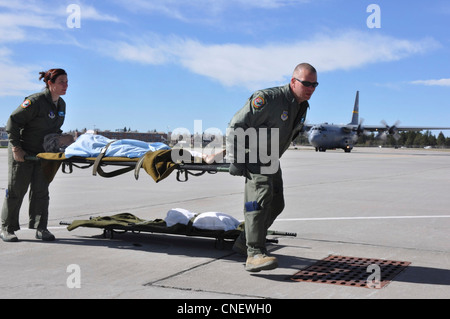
column 352, row 271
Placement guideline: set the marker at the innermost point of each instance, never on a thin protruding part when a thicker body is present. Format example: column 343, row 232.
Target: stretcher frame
column 125, row 222
column 184, row 170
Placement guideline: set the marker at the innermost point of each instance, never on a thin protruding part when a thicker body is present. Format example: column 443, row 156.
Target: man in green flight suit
column 269, row 121
column 40, row 114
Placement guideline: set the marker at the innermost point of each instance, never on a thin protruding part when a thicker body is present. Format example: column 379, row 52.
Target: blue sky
column 161, row 64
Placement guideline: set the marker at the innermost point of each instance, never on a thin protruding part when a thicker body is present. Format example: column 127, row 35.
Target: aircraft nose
column 313, row 136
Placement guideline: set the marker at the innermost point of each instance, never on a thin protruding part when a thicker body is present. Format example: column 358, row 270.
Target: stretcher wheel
column 108, row 233
column 219, row 243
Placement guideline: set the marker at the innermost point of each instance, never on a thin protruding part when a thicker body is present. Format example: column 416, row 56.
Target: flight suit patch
column 258, row 102
column 284, row 116
column 25, row 104
column 51, row 115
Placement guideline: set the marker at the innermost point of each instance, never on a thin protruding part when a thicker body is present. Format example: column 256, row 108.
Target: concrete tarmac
column 372, row 203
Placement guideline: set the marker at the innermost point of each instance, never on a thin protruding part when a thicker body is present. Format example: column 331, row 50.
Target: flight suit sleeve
column 255, row 112
column 300, row 121
column 244, row 127
column 18, row 120
column 259, row 110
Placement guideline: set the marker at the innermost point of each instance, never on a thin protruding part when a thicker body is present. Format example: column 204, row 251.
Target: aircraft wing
column 381, row 128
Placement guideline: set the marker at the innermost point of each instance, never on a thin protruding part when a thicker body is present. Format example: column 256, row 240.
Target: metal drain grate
column 352, row 271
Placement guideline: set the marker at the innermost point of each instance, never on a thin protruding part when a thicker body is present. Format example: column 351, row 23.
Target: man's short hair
column 304, row 66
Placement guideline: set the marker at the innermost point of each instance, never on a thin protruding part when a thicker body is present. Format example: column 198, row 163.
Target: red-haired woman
column 40, row 114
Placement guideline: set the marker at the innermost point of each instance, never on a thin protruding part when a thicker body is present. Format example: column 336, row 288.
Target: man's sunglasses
column 308, row 84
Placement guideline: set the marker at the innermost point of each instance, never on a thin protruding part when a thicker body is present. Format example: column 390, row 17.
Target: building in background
column 3, row 137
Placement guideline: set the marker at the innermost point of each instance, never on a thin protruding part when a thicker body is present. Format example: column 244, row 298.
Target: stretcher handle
column 187, row 169
column 31, row 158
column 206, row 168
column 280, row 233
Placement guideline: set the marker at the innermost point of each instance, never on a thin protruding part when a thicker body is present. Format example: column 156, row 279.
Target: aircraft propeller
column 360, row 129
column 390, row 130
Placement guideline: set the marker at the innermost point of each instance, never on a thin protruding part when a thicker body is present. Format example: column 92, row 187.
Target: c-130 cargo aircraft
column 331, row 136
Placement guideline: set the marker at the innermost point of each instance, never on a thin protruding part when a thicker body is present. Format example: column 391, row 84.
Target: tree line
column 406, row 139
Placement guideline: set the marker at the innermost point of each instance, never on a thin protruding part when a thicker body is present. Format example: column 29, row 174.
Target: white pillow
column 178, row 216
column 215, row 221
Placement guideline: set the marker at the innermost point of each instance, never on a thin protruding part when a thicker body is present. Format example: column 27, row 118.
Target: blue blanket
column 90, row 145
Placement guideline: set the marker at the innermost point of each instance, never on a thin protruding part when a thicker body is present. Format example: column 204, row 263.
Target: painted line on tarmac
column 358, row 218
column 50, row 227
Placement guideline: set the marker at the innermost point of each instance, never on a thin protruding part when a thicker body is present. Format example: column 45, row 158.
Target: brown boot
column 260, row 262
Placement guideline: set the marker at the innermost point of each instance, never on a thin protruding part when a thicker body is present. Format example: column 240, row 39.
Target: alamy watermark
column 74, row 279
column 250, row 146
column 373, row 281
column 74, row 18
column 374, row 19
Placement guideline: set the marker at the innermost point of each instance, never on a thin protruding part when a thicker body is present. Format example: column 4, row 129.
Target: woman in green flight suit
column 40, row 114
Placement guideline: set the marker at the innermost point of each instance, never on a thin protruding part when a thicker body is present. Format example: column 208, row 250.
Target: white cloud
column 259, row 65
column 139, row 52
column 27, row 20
column 90, row 13
column 18, row 17
column 441, row 82
column 233, row 64
column 22, row 21
column 17, row 80
column 266, row 4
column 188, row 10
column 14, row 25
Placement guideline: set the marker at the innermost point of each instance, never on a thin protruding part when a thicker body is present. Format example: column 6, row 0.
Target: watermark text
column 374, row 19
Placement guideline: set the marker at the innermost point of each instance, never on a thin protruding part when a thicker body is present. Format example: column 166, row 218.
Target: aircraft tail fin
column 355, row 117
